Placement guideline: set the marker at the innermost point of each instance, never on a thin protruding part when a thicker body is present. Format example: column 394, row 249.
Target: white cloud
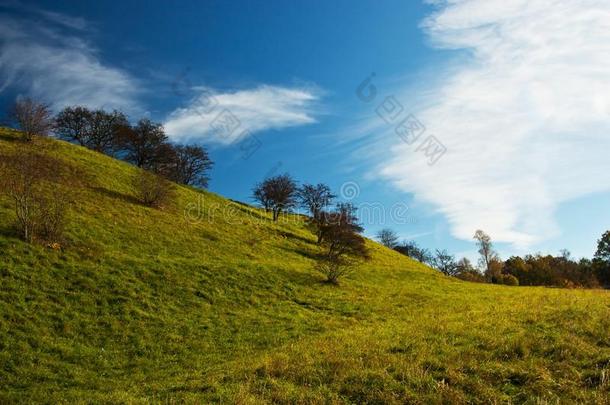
column 525, row 118
column 39, row 59
column 257, row 109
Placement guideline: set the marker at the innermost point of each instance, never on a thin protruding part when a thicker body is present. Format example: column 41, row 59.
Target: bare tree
column 21, row 181
column 485, row 250
column 260, row 195
column 445, row 262
column 343, row 246
column 411, row 249
column 104, row 130
column 145, row 145
column 276, row 194
column 53, row 209
column 98, row 130
column 74, row 124
column 388, row 238
column 464, row 265
column 190, row 165
column 31, row 117
column 315, row 199
column 30, row 180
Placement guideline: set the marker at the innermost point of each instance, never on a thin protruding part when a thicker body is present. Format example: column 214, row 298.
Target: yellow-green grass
column 210, row 301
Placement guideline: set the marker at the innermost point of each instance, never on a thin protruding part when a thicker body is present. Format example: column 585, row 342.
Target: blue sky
column 511, row 101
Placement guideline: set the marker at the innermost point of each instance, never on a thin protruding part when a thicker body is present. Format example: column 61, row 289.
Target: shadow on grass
column 302, row 252
column 292, row 235
column 9, row 231
column 116, row 195
column 243, row 204
column 249, row 210
column 8, row 138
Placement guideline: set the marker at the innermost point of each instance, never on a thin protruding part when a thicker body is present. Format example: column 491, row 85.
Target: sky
column 434, row 118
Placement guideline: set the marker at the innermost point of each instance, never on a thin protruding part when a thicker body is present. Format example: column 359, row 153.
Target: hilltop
column 209, row 300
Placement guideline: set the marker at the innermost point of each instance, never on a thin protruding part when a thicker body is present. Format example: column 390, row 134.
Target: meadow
column 209, row 300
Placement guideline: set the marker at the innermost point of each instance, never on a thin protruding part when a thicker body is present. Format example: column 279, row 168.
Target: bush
column 30, row 180
column 471, row 275
column 154, row 190
column 52, row 217
column 508, row 279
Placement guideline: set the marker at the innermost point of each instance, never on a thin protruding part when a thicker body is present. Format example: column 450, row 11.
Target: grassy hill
column 210, row 301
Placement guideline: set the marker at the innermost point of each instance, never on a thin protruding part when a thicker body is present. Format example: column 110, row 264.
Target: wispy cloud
column 524, row 114
column 49, row 59
column 258, row 109
column 77, row 23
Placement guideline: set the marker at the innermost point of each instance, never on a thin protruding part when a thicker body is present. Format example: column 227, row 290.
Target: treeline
column 337, row 230
column 143, row 144
column 530, row 270
column 31, row 175
column 30, row 178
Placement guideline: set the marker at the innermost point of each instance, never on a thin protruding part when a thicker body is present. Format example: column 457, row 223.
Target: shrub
column 30, row 180
column 471, row 275
column 153, row 190
column 508, row 279
column 52, row 216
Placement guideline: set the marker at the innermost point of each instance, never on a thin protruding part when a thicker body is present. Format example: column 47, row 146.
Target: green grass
column 223, row 305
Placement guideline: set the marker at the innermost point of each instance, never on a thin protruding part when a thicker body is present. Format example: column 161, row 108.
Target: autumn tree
column 495, row 270
column 485, row 250
column 466, row 271
column 31, row 117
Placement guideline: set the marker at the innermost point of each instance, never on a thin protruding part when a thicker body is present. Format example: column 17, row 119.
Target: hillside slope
column 210, row 301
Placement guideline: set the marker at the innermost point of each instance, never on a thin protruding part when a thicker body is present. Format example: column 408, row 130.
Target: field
column 210, row 301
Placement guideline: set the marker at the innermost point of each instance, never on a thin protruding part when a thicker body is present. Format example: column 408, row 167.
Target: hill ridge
column 148, row 305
